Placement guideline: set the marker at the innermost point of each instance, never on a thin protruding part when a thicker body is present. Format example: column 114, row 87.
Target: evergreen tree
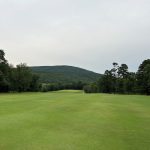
column 4, row 73
column 143, row 77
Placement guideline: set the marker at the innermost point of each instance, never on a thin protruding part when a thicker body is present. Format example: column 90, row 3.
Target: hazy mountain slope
column 64, row 74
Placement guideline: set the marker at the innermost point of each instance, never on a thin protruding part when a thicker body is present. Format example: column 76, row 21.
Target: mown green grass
column 74, row 121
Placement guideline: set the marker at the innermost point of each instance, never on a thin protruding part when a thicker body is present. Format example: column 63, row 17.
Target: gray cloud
column 89, row 34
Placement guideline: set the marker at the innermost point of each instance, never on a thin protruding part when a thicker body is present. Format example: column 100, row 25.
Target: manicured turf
column 74, row 121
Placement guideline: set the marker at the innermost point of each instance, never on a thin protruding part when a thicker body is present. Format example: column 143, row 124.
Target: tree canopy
column 116, row 80
column 19, row 78
column 120, row 80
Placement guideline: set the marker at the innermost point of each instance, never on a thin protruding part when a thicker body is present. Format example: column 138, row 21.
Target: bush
column 91, row 88
column 44, row 88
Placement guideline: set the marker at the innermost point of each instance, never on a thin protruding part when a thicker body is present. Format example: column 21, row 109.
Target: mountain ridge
column 64, row 74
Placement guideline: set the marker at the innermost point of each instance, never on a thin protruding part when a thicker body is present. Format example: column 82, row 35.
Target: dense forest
column 19, row 78
column 64, row 74
column 45, row 78
column 120, row 80
column 116, row 80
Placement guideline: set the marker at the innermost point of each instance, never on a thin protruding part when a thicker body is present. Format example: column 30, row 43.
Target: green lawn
column 74, row 121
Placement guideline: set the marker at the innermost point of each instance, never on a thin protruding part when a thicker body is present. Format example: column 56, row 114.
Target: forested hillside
column 64, row 74
column 119, row 79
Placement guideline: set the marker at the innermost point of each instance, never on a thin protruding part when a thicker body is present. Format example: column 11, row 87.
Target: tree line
column 22, row 79
column 45, row 87
column 19, row 78
column 116, row 80
column 120, row 80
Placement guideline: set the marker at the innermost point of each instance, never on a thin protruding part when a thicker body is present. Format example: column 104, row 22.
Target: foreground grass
column 74, row 121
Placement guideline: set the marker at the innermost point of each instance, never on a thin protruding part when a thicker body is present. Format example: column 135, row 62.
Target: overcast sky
column 85, row 33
